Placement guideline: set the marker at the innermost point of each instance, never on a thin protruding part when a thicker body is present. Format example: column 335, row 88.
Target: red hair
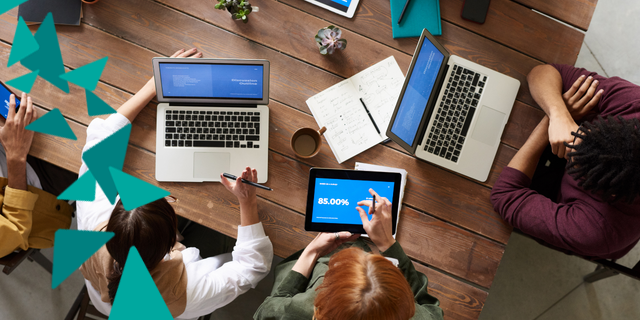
column 361, row 286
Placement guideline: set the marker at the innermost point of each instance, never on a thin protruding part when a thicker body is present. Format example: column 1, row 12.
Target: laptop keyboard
column 455, row 112
column 213, row 129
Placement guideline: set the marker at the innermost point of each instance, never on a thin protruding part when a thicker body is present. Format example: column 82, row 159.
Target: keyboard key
column 201, row 118
column 255, row 146
column 229, row 144
column 211, row 144
column 256, row 113
column 437, row 150
column 225, row 131
column 188, row 143
column 223, row 112
column 213, row 137
column 235, row 137
column 448, row 156
column 236, row 112
column 236, row 144
column 247, row 118
column 236, row 124
column 232, row 131
column 443, row 152
column 250, row 113
column 168, row 117
column 187, row 117
column 481, row 84
column 209, row 112
column 228, row 137
column 181, row 143
column 456, row 153
column 196, row 112
column 227, row 118
column 174, row 143
column 250, row 144
column 170, row 130
column 219, row 130
column 202, row 137
column 181, row 117
column 208, row 137
column 182, row 111
column 454, row 159
column 243, row 146
column 234, row 118
column 243, row 113
column 174, row 117
column 197, row 123
column 167, row 143
column 257, row 127
column 250, row 124
column 253, row 138
column 168, row 136
column 241, row 137
column 461, row 139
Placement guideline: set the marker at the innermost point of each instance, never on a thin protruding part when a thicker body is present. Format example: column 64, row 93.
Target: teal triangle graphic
column 72, row 248
column 24, row 83
column 137, row 296
column 96, row 106
column 107, row 153
column 88, row 75
column 6, row 5
column 48, row 58
column 135, row 192
column 53, row 123
column 84, row 189
column 24, row 44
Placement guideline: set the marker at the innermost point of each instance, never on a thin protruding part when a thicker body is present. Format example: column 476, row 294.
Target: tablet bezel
column 350, row 11
column 350, row 175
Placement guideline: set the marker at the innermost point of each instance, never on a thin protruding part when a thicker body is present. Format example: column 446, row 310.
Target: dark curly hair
column 607, row 160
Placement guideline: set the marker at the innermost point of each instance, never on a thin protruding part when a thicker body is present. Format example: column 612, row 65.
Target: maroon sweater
column 579, row 221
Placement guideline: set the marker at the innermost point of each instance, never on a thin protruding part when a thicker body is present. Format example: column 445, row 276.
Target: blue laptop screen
column 416, row 95
column 181, row 80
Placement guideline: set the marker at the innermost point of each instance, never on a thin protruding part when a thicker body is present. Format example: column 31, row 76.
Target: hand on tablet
column 379, row 228
column 323, row 244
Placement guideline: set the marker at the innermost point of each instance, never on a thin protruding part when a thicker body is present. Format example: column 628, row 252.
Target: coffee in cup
column 306, row 142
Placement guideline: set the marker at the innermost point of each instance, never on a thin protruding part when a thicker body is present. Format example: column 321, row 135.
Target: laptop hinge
column 182, row 104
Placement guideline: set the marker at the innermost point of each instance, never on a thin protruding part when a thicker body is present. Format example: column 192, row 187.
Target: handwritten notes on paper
column 349, row 128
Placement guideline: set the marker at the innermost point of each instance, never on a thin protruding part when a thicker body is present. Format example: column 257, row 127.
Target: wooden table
column 447, row 226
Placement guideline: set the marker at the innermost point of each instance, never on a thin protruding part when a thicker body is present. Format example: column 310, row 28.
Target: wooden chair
column 83, row 306
column 12, row 260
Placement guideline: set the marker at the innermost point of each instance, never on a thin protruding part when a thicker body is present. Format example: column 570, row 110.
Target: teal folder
column 420, row 14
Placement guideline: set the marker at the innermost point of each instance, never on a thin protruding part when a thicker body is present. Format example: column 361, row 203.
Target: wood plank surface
column 143, row 135
column 520, row 28
column 577, row 13
column 375, row 24
column 447, row 222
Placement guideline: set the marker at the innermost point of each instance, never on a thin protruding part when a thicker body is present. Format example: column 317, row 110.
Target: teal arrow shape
column 53, row 123
column 24, row 44
column 107, row 153
column 6, row 5
column 88, row 75
column 135, row 192
column 137, row 296
column 83, row 189
column 72, row 248
column 48, row 58
column 96, row 106
column 24, row 83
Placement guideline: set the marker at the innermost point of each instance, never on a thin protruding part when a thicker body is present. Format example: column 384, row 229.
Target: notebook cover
column 420, row 14
column 64, row 11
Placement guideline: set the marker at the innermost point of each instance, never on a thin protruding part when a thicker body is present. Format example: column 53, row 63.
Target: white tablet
column 342, row 7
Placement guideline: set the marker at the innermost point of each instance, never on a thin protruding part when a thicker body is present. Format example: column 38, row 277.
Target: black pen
column 232, row 177
column 370, row 117
column 403, row 10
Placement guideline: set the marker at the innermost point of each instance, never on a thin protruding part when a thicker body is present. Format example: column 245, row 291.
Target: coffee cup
column 306, row 142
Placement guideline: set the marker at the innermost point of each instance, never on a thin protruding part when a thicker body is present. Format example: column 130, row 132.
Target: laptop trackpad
column 488, row 126
column 209, row 165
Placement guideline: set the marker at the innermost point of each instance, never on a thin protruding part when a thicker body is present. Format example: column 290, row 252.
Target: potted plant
column 239, row 9
column 329, row 39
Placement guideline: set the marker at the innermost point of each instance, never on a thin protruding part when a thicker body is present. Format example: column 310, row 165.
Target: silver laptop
column 212, row 118
column 451, row 112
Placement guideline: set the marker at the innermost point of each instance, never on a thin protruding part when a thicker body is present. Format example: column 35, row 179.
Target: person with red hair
column 334, row 280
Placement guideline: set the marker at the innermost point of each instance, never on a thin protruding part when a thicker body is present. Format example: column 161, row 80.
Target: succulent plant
column 239, row 9
column 328, row 40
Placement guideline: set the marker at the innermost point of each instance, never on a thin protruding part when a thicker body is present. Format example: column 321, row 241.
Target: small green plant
column 239, row 10
column 328, row 40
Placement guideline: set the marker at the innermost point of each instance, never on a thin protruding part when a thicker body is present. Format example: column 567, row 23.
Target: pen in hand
column 373, row 206
column 232, row 177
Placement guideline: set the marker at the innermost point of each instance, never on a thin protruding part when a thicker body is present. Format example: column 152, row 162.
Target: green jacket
column 293, row 294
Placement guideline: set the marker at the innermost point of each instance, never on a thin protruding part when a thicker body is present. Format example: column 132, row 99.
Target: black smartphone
column 475, row 10
column 5, row 93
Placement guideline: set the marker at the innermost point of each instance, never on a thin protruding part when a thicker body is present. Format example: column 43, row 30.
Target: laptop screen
column 239, row 81
column 416, row 95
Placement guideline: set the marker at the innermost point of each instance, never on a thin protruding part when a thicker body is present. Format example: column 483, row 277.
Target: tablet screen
column 335, row 199
column 333, row 196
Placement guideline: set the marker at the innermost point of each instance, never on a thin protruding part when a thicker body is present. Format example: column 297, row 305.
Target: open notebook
column 350, row 131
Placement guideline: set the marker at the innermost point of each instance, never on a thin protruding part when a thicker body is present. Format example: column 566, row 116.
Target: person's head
column 359, row 285
column 151, row 228
column 606, row 158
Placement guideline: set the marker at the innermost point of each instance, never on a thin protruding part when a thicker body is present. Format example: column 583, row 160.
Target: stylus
column 370, row 117
column 232, row 177
column 403, row 10
column 373, row 206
